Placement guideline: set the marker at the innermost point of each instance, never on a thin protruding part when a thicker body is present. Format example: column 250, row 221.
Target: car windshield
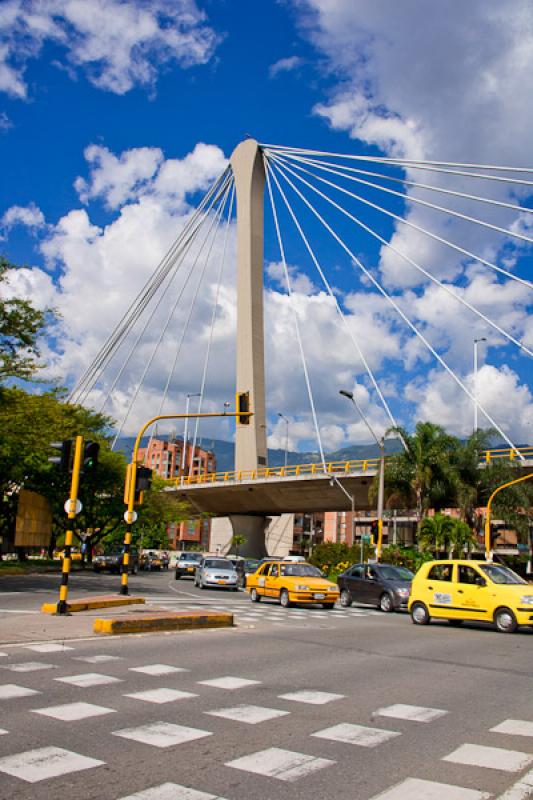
column 499, row 574
column 251, row 566
column 217, row 563
column 190, row 557
column 300, row 571
column 395, row 573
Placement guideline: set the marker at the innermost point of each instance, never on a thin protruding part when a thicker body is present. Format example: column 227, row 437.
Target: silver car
column 216, row 572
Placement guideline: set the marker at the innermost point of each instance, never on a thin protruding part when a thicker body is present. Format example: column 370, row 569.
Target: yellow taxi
column 471, row 590
column 291, row 582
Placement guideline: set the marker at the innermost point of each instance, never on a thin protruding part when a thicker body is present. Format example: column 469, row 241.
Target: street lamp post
column 286, row 421
column 186, row 432
column 381, row 485
column 476, row 342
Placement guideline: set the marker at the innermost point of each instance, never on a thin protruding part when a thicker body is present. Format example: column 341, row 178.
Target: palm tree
column 436, row 533
column 423, row 471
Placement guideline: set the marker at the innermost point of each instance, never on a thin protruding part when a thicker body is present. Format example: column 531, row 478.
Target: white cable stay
column 411, row 261
column 429, row 166
column 406, row 319
column 406, row 182
column 214, row 223
column 418, row 200
column 419, row 228
column 151, row 285
column 295, row 318
column 151, row 316
column 212, row 329
column 115, row 342
column 335, row 300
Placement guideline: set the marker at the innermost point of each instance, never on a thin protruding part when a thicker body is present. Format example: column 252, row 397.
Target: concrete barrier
column 87, row 603
column 163, row 621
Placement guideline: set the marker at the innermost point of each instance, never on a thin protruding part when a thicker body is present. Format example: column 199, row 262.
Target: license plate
column 190, row 569
column 319, row 596
column 221, row 581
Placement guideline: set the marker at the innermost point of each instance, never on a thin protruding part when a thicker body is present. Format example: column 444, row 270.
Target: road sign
column 365, row 538
column 77, row 506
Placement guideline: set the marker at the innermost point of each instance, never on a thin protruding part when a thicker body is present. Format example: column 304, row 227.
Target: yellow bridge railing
column 370, row 465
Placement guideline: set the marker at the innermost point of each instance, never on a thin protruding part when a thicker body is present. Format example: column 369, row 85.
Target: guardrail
column 332, row 467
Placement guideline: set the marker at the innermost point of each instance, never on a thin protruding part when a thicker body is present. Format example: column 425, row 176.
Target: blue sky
column 115, row 117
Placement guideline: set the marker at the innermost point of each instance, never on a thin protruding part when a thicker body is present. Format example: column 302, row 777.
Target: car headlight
column 333, row 589
column 527, row 600
column 303, row 588
column 403, row 592
column 233, row 576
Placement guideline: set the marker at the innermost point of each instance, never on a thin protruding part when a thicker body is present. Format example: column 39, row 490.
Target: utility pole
column 72, row 507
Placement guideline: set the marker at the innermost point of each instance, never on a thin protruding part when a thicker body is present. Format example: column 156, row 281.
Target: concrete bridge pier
column 253, row 529
column 265, row 534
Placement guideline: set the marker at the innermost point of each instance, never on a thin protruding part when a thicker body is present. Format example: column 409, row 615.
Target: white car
column 216, row 572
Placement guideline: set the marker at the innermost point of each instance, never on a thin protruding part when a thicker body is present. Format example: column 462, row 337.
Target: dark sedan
column 383, row 585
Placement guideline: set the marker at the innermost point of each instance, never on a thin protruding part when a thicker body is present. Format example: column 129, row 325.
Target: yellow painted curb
column 163, row 621
column 86, row 603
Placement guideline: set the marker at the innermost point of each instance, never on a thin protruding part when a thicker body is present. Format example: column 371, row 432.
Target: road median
column 163, row 621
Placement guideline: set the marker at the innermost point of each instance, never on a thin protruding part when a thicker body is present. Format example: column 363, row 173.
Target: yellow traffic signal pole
column 129, row 490
column 71, row 508
column 488, row 543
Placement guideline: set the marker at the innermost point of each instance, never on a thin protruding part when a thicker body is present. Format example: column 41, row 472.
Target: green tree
column 20, row 327
column 435, row 533
column 237, row 540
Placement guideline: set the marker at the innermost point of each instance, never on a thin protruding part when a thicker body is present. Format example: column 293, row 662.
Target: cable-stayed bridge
column 321, row 207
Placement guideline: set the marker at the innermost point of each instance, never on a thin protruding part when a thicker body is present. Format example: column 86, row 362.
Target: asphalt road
column 369, row 679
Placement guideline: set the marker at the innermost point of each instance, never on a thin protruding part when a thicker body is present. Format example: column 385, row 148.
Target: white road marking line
column 49, row 647
column 10, row 691
column 17, row 611
column 490, row 757
column 514, row 727
column 158, row 669
column 89, row 679
column 415, row 789
column 229, row 682
column 171, row 791
column 70, row 712
column 3, row 731
column 4, row 655
column 411, row 713
column 97, row 659
column 249, row 714
column 356, row 734
column 161, row 695
column 162, row 734
column 285, row 765
column 312, row 697
column 46, row 762
column 28, row 666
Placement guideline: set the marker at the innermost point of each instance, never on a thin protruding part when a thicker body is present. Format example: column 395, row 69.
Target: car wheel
column 420, row 614
column 386, row 603
column 346, row 599
column 328, row 605
column 505, row 621
column 455, row 623
column 202, row 585
column 254, row 596
column 284, row 598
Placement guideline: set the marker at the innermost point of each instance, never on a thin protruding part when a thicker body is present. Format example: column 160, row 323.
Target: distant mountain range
column 224, row 452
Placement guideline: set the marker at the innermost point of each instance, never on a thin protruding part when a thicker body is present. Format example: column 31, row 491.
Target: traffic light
column 374, row 528
column 494, row 534
column 90, row 456
column 242, row 403
column 143, row 481
column 65, row 457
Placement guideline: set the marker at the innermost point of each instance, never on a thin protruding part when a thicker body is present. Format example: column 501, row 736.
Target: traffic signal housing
column 90, row 456
column 242, row 404
column 65, row 456
column 143, row 481
column 374, row 530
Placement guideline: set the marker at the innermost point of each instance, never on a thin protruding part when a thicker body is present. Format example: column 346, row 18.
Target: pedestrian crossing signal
column 90, row 456
column 66, row 455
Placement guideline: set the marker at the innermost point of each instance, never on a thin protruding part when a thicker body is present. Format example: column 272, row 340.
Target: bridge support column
column 253, row 529
column 249, row 173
